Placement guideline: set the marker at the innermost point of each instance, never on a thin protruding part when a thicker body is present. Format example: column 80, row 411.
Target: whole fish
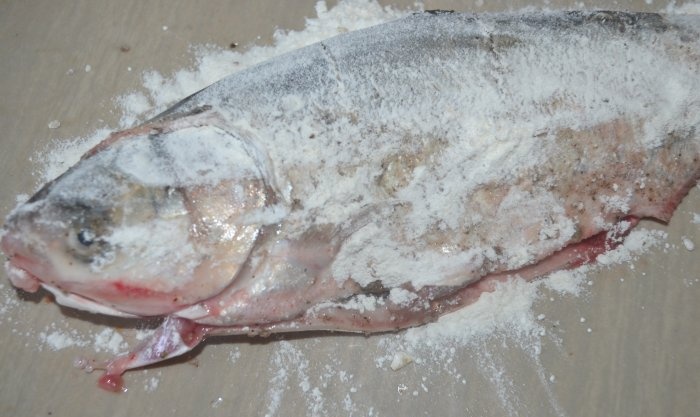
column 375, row 180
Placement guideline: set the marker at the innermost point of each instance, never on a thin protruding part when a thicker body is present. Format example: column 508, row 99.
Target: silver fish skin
column 375, row 180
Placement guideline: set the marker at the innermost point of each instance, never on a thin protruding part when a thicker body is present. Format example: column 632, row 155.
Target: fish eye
column 86, row 237
column 87, row 246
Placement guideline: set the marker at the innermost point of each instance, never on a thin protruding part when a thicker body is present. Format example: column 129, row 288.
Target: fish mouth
column 20, row 277
column 21, row 269
column 24, row 272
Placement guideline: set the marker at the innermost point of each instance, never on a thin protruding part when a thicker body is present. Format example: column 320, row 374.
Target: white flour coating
column 509, row 310
column 200, row 155
column 329, row 164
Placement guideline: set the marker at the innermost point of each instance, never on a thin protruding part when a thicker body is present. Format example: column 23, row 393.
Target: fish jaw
column 71, row 300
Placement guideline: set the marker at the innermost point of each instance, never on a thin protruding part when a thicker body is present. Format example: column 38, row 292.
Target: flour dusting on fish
column 376, row 180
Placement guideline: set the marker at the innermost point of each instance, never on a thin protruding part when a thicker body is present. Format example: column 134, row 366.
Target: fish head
column 147, row 223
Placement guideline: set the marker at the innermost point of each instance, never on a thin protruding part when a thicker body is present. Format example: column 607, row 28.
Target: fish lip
column 20, row 268
column 19, row 274
column 78, row 302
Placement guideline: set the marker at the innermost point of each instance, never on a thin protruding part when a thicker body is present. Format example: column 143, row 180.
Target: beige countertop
column 640, row 359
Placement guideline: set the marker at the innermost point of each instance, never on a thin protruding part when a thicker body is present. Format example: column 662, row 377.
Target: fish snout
column 20, row 266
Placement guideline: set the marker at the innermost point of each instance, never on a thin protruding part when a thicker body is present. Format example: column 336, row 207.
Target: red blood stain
column 588, row 249
column 111, row 382
column 132, row 290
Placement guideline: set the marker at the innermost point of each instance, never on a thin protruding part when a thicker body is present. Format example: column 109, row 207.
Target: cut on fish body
column 375, row 180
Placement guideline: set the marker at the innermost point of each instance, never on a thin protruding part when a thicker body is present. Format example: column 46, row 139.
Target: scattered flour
column 109, row 340
column 234, row 354
column 287, row 360
column 151, row 384
column 57, row 340
column 57, row 337
column 8, row 301
column 689, row 244
column 696, row 218
column 568, row 281
column 59, row 155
